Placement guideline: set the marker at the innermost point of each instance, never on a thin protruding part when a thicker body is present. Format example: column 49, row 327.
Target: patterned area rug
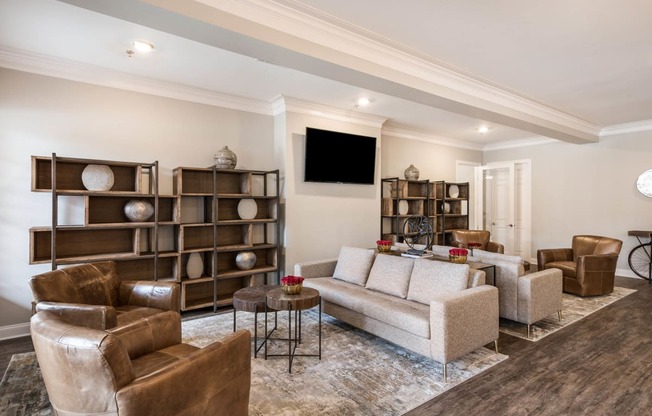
column 358, row 374
column 574, row 308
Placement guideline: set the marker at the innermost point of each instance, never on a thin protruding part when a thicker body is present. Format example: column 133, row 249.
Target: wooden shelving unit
column 215, row 229
column 401, row 199
column 201, row 217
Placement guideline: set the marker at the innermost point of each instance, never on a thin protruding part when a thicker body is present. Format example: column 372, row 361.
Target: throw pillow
column 431, row 278
column 391, row 274
column 353, row 265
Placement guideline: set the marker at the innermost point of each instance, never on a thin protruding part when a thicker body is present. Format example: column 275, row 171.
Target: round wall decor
column 644, row 183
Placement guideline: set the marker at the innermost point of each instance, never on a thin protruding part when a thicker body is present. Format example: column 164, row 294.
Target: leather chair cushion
column 149, row 363
column 567, row 267
column 131, row 313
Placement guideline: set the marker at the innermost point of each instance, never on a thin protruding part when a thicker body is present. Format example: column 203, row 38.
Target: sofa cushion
column 431, row 278
column 409, row 316
column 391, row 274
column 353, row 265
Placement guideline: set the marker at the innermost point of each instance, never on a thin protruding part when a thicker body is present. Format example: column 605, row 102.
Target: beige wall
column 587, row 189
column 40, row 115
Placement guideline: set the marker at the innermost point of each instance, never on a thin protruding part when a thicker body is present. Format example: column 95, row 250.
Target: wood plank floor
column 601, row 365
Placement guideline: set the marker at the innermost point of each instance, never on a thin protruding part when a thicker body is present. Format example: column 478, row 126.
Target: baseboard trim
column 626, row 273
column 14, row 331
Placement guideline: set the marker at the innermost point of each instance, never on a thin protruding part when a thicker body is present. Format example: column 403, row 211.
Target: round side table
column 253, row 299
column 308, row 298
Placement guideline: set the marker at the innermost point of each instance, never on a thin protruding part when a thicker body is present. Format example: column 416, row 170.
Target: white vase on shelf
column 195, row 266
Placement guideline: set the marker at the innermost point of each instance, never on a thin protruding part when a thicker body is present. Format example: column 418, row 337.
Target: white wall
column 321, row 217
column 40, row 115
column 587, row 189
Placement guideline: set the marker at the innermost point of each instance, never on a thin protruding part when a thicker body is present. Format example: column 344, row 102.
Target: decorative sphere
column 97, row 177
column 139, row 210
column 225, row 158
column 245, row 260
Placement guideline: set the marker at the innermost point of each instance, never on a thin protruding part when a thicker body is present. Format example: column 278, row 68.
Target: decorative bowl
column 292, row 289
column 457, row 259
column 383, row 247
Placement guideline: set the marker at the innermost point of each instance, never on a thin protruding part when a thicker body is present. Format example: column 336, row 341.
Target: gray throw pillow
column 432, row 278
column 353, row 265
column 391, row 274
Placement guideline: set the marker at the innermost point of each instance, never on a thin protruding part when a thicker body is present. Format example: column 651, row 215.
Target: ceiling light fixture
column 363, row 101
column 142, row 46
column 483, row 129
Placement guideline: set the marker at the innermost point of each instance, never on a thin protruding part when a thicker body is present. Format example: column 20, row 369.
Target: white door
column 503, row 204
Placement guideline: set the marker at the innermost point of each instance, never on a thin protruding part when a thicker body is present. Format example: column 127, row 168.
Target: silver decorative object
column 245, row 260
column 97, row 177
column 411, row 173
column 225, row 158
column 139, row 210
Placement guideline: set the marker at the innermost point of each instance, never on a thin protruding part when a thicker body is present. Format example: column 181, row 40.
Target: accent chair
column 461, row 238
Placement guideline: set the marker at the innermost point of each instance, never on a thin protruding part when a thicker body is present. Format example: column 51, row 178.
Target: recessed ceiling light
column 363, row 101
column 483, row 129
column 142, row 46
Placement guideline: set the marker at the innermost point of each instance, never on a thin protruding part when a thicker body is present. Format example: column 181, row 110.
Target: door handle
column 511, row 225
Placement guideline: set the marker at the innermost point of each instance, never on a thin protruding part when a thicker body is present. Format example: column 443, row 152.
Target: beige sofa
column 524, row 298
column 437, row 309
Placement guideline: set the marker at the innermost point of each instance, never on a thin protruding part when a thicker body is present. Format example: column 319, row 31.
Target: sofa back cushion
column 431, row 278
column 488, row 255
column 353, row 265
column 391, row 274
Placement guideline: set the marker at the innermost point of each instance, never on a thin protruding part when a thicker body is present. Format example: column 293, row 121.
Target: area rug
column 358, row 374
column 574, row 308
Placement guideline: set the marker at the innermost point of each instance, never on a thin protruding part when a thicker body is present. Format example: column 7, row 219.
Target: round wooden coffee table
column 308, row 298
column 253, row 299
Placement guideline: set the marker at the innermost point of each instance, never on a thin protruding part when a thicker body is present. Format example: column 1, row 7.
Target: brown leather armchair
column 461, row 238
column 140, row 369
column 589, row 266
column 92, row 295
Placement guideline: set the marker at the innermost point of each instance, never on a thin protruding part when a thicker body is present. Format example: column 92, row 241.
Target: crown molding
column 61, row 68
column 625, row 128
column 305, row 22
column 513, row 144
column 282, row 104
column 411, row 134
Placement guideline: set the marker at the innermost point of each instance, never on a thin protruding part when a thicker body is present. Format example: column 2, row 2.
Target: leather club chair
column 461, row 238
column 92, row 295
column 140, row 369
column 589, row 266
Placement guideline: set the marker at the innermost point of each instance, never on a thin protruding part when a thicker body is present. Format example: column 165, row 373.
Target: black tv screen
column 337, row 157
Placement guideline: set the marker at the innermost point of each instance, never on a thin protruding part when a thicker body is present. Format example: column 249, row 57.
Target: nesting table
column 278, row 301
column 253, row 299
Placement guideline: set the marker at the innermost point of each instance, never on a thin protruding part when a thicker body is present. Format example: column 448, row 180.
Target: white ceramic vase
column 195, row 266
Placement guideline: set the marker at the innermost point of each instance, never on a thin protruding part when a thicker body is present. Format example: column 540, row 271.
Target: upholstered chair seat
column 141, row 368
column 93, row 295
column 588, row 267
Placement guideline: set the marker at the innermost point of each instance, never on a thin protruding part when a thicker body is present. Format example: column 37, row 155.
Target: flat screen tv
column 337, row 157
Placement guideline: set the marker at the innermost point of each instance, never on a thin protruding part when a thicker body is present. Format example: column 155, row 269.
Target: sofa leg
column 559, row 315
column 445, row 373
column 528, row 330
column 496, row 345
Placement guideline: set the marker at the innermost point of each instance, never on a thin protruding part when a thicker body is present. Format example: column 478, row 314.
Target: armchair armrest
column 89, row 316
column 150, row 334
column 219, row 372
column 316, row 268
column 495, row 247
column 553, row 254
column 463, row 322
column 160, row 295
column 539, row 295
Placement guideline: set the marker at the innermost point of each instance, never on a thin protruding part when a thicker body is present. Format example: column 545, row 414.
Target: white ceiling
column 587, row 62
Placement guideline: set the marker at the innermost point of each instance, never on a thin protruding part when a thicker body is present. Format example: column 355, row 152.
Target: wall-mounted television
column 338, row 157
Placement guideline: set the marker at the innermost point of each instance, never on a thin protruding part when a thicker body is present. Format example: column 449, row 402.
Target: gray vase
column 225, row 158
column 411, row 173
column 245, row 260
column 139, row 210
